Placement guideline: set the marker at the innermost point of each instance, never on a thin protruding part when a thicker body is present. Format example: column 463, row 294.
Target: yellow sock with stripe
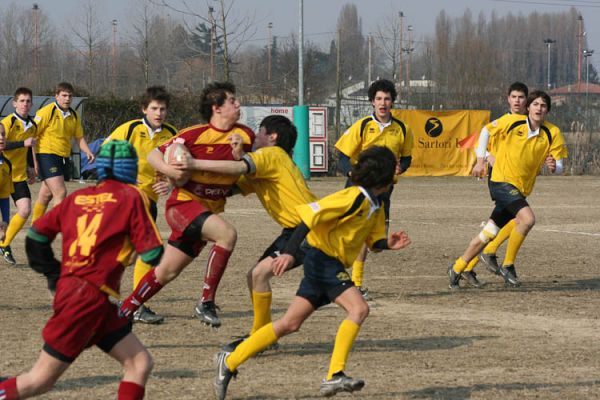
column 344, row 340
column 459, row 265
column 514, row 244
column 14, row 226
column 140, row 270
column 358, row 268
column 471, row 264
column 38, row 210
column 261, row 304
column 503, row 234
column 259, row 340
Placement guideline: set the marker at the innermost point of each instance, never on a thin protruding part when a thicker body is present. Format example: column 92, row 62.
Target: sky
column 320, row 16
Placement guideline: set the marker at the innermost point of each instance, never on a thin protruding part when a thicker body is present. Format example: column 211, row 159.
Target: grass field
column 421, row 341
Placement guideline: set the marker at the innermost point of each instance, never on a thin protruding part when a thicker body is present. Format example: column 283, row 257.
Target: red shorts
column 179, row 215
column 83, row 317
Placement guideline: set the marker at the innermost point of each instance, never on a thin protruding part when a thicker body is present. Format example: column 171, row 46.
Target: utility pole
column 369, row 70
column 587, row 53
column 401, row 15
column 408, row 50
column 579, row 48
column 114, row 57
column 338, row 83
column 301, row 53
column 549, row 43
column 36, row 46
column 269, row 51
column 213, row 33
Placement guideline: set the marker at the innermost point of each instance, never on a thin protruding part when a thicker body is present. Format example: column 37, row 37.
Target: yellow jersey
column 341, row 222
column 56, row 128
column 6, row 181
column 141, row 136
column 521, row 152
column 278, row 184
column 17, row 130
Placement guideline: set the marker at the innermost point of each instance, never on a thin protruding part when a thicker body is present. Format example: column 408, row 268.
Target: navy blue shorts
column 21, row 191
column 278, row 245
column 509, row 200
column 51, row 165
column 325, row 278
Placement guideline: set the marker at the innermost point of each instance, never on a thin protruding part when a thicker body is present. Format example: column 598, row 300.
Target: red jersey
column 205, row 142
column 101, row 226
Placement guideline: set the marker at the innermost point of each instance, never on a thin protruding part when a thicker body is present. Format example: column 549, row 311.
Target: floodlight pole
column 549, row 43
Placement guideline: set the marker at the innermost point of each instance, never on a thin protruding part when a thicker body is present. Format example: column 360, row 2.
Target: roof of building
column 577, row 88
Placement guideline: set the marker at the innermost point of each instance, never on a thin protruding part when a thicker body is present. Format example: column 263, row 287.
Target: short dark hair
column 518, row 87
column 375, row 168
column 22, row 90
column 214, row 94
column 537, row 94
column 64, row 87
column 382, row 85
column 285, row 130
column 155, row 93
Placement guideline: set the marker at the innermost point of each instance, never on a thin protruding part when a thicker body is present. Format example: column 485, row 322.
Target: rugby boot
column 7, row 255
column 471, row 278
column 491, row 262
column 207, row 313
column 146, row 316
column 339, row 382
column 223, row 377
column 509, row 274
column 454, row 278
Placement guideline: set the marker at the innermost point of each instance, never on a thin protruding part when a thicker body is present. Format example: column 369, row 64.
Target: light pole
column 587, row 53
column 269, row 50
column 408, row 50
column 401, row 15
column 213, row 34
column 114, row 57
column 548, row 42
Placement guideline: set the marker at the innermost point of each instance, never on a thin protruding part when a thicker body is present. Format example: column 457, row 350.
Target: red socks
column 144, row 291
column 8, row 389
column 215, row 267
column 130, row 391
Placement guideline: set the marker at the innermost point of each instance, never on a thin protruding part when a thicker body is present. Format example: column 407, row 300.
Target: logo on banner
column 433, row 127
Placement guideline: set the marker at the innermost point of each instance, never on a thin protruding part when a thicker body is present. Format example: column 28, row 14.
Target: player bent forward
column 335, row 228
column 101, row 226
column 524, row 144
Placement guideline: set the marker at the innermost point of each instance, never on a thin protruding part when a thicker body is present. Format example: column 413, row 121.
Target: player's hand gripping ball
column 178, row 153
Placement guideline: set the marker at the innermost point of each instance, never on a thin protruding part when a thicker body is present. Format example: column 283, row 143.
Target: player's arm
column 480, row 152
column 40, row 257
column 344, row 165
column 242, row 167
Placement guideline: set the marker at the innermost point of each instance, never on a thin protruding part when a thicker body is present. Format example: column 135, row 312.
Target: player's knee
column 489, row 232
column 290, row 326
column 527, row 221
column 141, row 364
column 263, row 271
column 359, row 313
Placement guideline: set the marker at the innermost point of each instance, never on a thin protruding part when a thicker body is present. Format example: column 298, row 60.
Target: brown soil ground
column 420, row 341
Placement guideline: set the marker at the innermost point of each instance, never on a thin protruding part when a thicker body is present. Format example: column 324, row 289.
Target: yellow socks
column 459, row 265
column 259, row 340
column 261, row 303
column 358, row 268
column 492, row 247
column 14, row 226
column 514, row 244
column 343, row 344
column 38, row 210
column 471, row 264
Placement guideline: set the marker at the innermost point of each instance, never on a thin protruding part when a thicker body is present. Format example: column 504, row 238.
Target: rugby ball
column 174, row 153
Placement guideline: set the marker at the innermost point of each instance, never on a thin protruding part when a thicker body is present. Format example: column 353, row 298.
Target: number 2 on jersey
column 86, row 235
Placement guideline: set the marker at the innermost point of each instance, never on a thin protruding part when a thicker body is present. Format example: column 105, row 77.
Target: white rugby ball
column 174, row 153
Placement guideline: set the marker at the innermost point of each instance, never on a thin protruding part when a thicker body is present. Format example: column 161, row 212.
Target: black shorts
column 325, row 278
column 21, row 191
column 509, row 201
column 51, row 165
column 278, row 245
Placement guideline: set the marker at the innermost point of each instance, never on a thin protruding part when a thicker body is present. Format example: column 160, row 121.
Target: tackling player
column 21, row 132
column 101, row 226
column 335, row 227
column 378, row 129
column 192, row 211
column 146, row 134
column 524, row 143
column 57, row 124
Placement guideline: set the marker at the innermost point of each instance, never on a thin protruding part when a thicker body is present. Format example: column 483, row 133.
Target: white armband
column 484, row 138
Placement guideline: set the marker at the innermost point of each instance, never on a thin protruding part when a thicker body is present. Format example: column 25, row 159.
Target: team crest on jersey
column 343, row 276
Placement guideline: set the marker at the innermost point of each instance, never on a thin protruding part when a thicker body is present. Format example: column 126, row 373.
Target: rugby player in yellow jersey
column 20, row 139
column 269, row 172
column 378, row 129
column 335, row 228
column 57, row 124
column 517, row 99
column 146, row 134
column 524, row 144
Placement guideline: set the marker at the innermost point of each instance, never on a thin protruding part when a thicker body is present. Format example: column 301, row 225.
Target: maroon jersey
column 101, row 226
column 206, row 142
